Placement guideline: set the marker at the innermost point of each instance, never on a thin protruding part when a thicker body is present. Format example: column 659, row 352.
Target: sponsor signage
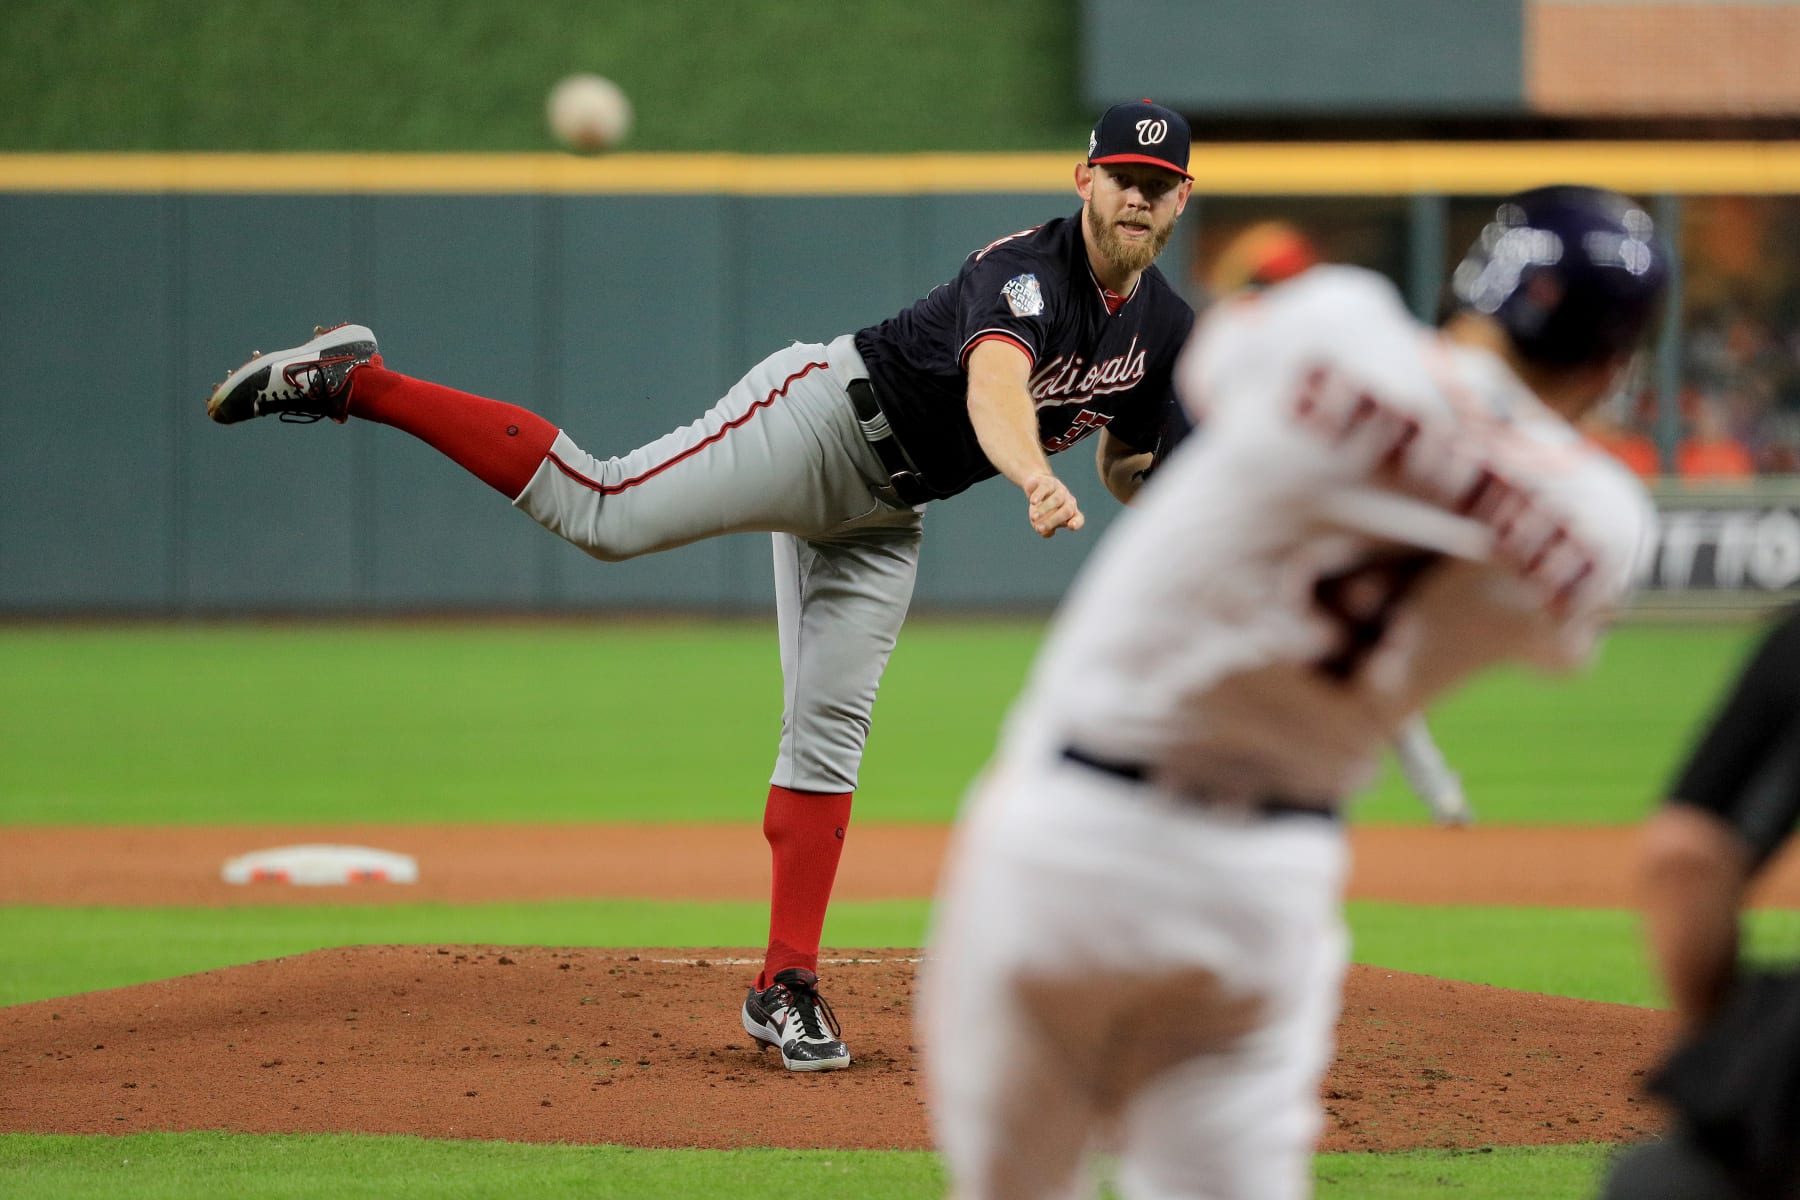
column 1724, row 549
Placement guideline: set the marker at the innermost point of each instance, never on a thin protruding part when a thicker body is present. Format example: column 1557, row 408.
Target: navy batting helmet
column 1574, row 274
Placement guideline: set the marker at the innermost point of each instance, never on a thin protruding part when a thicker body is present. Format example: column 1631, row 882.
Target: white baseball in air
column 588, row 113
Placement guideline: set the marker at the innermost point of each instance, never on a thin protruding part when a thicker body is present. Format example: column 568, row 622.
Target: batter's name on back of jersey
column 1442, row 467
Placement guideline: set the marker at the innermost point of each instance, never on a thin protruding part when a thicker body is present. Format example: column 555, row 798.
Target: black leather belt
column 1268, row 806
column 903, row 477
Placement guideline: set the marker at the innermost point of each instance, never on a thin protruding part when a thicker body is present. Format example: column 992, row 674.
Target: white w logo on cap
column 1151, row 131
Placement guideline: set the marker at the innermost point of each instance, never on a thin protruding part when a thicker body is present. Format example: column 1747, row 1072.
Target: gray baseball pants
column 782, row 451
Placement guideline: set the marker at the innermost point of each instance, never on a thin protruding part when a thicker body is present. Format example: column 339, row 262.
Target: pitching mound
column 644, row 1049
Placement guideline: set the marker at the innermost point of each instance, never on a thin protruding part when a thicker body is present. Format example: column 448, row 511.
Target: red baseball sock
column 806, row 837
column 501, row 444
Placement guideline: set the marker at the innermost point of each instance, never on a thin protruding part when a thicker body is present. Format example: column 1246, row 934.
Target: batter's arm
column 1123, row 467
column 1005, row 422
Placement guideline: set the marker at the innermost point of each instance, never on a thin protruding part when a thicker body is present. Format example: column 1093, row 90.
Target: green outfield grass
column 625, row 721
column 204, row 1166
column 59, row 951
column 329, row 1167
column 473, row 722
column 1590, row 954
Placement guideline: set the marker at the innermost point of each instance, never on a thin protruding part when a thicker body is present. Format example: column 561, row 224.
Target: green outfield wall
column 1263, row 57
column 619, row 297
column 617, row 316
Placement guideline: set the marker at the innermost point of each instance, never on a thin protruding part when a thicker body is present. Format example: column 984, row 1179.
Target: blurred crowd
column 1739, row 402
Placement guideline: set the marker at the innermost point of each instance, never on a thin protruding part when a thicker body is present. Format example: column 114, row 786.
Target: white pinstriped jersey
column 1368, row 514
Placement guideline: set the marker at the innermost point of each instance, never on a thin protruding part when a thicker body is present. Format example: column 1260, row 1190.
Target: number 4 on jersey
column 1361, row 602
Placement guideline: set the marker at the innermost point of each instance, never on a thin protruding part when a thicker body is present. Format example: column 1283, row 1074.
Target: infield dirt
column 169, row 865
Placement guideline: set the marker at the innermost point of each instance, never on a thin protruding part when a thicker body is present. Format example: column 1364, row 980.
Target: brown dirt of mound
column 644, row 1048
column 1426, row 1062
column 1589, row 867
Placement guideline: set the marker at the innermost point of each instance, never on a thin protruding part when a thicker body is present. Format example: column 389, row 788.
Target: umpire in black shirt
column 1734, row 1082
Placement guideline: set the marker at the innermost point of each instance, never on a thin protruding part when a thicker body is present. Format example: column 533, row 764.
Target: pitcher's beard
column 1130, row 257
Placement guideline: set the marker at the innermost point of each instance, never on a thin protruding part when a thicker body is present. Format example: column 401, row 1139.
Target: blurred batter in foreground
column 1261, row 255
column 1140, row 942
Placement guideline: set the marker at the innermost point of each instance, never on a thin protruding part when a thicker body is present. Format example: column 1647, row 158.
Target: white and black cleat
column 303, row 383
column 791, row 1016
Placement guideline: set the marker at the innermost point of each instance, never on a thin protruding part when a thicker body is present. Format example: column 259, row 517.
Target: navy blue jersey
column 1090, row 368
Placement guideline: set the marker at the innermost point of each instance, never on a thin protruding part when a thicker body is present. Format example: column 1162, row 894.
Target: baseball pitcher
column 1043, row 338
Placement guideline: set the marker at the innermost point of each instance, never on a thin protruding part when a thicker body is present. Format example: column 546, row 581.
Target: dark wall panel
column 953, row 227
column 1304, row 56
column 808, row 269
column 455, row 300
column 618, row 318
column 266, row 510
column 642, row 314
column 87, row 402
column 980, row 550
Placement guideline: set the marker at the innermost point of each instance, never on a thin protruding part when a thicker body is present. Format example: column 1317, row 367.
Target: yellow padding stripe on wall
column 1395, row 168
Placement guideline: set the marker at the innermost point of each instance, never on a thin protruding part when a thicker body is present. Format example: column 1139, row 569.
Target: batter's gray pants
column 782, row 452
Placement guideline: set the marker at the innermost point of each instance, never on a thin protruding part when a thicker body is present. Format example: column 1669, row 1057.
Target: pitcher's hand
column 1052, row 505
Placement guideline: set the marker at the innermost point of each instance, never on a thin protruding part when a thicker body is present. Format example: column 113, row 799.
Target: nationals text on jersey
column 1062, row 381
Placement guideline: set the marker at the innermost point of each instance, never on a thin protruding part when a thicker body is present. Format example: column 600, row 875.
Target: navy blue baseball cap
column 1574, row 274
column 1141, row 132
